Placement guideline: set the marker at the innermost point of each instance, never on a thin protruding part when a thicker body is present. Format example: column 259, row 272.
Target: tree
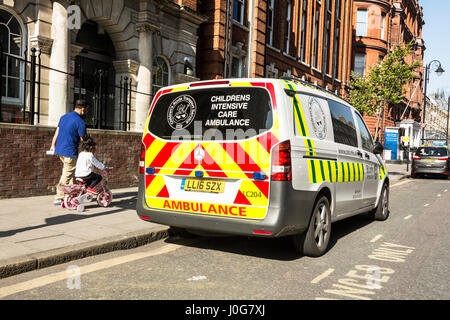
column 384, row 84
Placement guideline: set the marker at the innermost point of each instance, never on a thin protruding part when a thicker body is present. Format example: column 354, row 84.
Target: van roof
column 300, row 85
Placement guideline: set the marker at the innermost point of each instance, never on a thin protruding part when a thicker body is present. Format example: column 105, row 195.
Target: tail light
column 443, row 158
column 416, row 158
column 142, row 159
column 281, row 162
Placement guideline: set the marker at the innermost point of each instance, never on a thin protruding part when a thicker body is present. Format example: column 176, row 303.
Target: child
column 86, row 162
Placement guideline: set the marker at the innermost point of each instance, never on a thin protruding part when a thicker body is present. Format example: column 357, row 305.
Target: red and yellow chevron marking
column 234, row 160
column 203, row 208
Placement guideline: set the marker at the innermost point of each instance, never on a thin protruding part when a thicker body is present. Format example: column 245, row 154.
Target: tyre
column 381, row 212
column 104, row 198
column 314, row 242
column 70, row 201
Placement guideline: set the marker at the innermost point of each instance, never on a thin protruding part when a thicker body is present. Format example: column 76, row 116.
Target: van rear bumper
column 288, row 213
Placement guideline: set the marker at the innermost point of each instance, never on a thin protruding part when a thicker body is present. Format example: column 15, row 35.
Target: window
column 198, row 114
column 431, row 152
column 337, row 36
column 270, row 21
column 287, row 35
column 316, row 35
column 343, row 124
column 383, row 21
column 360, row 64
column 366, row 138
column 303, row 32
column 12, row 42
column 237, row 67
column 238, row 11
column 361, row 22
column 160, row 74
column 327, row 36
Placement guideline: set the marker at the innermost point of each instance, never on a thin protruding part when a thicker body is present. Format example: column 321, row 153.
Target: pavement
column 35, row 234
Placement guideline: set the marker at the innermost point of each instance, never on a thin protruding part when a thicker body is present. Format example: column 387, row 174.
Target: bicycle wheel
column 104, row 198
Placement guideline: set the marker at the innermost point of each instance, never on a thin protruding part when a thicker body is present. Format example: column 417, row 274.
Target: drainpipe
column 225, row 63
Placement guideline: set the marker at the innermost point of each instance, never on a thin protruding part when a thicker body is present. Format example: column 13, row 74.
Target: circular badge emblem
column 181, row 112
column 317, row 116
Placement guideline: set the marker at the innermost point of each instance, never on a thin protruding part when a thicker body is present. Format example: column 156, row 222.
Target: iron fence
column 24, row 105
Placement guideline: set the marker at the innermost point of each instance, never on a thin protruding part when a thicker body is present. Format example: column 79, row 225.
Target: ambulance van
column 258, row 157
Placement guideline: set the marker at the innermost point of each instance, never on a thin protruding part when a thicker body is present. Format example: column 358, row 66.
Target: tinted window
column 366, row 138
column 431, row 152
column 231, row 113
column 343, row 124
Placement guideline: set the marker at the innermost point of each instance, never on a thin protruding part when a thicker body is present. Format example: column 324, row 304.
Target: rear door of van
column 208, row 149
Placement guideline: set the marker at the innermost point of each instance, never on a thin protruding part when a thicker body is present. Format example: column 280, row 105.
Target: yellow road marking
column 323, row 276
column 376, row 238
column 400, row 183
column 55, row 277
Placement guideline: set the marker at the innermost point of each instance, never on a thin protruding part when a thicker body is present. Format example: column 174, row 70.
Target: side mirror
column 378, row 149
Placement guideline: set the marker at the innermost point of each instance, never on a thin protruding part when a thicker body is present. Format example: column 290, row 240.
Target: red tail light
column 142, row 159
column 443, row 158
column 416, row 158
column 281, row 162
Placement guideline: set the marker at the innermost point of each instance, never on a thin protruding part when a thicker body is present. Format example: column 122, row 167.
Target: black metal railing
column 28, row 102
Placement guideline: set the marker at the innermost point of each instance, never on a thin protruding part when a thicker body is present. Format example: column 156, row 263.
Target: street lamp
column 439, row 71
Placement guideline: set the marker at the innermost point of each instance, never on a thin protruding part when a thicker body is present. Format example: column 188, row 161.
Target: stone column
column 58, row 103
column 144, row 75
column 124, row 68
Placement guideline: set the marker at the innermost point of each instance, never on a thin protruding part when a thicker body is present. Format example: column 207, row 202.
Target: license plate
column 430, row 160
column 201, row 185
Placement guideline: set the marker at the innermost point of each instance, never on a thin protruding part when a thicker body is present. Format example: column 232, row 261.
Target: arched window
column 160, row 74
column 12, row 44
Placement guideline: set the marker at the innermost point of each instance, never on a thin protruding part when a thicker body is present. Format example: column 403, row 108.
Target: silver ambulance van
column 258, row 157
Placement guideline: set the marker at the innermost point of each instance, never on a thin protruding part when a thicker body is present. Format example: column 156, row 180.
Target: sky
column 436, row 34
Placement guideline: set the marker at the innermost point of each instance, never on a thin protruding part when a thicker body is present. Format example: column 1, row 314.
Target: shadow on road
column 270, row 248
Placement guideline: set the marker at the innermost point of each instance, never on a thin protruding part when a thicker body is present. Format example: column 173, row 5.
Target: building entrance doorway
column 95, row 76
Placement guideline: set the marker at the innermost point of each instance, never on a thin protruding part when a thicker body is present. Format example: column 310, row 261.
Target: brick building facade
column 309, row 39
column 321, row 41
column 378, row 25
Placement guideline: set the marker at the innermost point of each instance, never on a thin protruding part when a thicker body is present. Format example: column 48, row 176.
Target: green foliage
column 385, row 83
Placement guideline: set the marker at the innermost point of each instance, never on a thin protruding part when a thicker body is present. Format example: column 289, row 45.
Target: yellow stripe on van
column 226, row 163
column 253, row 193
column 333, row 171
column 241, row 84
column 180, row 88
column 257, row 153
column 299, row 116
column 155, row 186
column 153, row 151
column 178, row 157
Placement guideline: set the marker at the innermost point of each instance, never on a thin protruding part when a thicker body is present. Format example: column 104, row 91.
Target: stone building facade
column 87, row 48
column 378, row 25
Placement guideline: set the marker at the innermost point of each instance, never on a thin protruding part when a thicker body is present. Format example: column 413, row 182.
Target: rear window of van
column 232, row 113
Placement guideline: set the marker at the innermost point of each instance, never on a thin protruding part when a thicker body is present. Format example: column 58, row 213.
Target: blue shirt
column 71, row 128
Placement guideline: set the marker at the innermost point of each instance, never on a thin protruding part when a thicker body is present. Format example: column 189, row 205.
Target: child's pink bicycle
column 77, row 194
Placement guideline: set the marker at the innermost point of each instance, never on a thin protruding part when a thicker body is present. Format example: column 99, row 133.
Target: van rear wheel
column 381, row 212
column 314, row 242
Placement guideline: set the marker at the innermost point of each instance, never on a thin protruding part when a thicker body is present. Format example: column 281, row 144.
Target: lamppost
column 448, row 116
column 439, row 71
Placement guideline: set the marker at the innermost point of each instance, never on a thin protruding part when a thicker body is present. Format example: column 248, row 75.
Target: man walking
column 71, row 128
